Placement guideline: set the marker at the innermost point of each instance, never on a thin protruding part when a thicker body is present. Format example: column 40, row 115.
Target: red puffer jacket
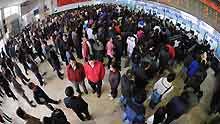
column 75, row 75
column 96, row 73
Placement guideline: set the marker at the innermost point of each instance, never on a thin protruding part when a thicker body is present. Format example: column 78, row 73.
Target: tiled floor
column 103, row 110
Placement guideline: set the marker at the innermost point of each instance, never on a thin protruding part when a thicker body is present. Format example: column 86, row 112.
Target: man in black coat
column 34, row 68
column 6, row 87
column 127, row 86
column 215, row 102
column 41, row 97
column 163, row 59
column 20, row 74
column 77, row 104
column 55, row 62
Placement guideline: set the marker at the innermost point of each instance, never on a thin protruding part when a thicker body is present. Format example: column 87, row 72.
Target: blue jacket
column 193, row 68
column 135, row 113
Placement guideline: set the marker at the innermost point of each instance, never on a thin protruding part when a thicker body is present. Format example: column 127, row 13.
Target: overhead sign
column 66, row 2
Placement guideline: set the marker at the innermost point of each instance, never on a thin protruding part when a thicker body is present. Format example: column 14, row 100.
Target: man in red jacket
column 76, row 74
column 95, row 72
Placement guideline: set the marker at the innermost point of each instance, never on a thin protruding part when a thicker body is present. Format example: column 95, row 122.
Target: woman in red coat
column 95, row 72
column 85, row 49
column 76, row 74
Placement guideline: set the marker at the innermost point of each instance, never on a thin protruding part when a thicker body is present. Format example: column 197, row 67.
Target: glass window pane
column 7, row 12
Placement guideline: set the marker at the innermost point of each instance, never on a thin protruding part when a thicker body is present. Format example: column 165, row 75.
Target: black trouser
column 39, row 78
column 79, row 52
column 1, row 93
column 97, row 87
column 63, row 56
column 109, row 61
column 215, row 104
column 11, row 69
column 114, row 92
column 82, row 84
column 170, row 118
column 50, row 62
column 9, row 93
column 59, row 74
column 23, row 78
column 41, row 56
column 48, row 105
column 26, row 67
column 85, row 112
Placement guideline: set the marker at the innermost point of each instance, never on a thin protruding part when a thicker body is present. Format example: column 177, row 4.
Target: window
column 10, row 11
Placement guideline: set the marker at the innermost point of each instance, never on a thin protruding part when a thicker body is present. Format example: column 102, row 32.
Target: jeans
column 39, row 78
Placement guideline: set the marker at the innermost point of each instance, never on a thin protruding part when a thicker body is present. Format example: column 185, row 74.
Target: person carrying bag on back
column 161, row 89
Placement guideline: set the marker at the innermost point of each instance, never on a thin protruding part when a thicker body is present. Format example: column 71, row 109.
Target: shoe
column 61, row 78
column 98, row 95
column 93, row 91
column 109, row 95
column 33, row 105
column 45, row 73
column 59, row 101
column 15, row 99
column 111, row 98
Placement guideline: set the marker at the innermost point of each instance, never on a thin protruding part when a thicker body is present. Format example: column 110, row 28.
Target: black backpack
column 58, row 117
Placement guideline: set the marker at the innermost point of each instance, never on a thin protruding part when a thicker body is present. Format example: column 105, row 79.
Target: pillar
column 1, row 20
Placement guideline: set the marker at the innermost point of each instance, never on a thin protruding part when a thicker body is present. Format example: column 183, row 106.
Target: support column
column 1, row 20
column 42, row 12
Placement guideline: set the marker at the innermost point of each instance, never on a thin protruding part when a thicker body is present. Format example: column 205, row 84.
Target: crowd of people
column 103, row 35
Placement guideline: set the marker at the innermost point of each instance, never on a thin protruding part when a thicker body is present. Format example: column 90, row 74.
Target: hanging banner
column 66, row 2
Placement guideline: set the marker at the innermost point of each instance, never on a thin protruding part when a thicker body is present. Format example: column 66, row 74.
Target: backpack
column 155, row 97
column 58, row 117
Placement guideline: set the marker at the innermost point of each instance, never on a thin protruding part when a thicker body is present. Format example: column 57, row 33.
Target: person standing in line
column 95, row 72
column 85, row 49
column 162, row 88
column 4, row 117
column 19, row 73
column 34, row 68
column 41, row 97
column 46, row 49
column 6, row 87
column 76, row 74
column 17, row 86
column 22, row 59
column 77, row 104
column 10, row 65
column 109, row 49
column 114, row 80
column 55, row 62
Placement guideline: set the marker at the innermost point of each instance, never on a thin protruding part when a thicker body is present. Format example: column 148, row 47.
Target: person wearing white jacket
column 131, row 42
column 162, row 87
